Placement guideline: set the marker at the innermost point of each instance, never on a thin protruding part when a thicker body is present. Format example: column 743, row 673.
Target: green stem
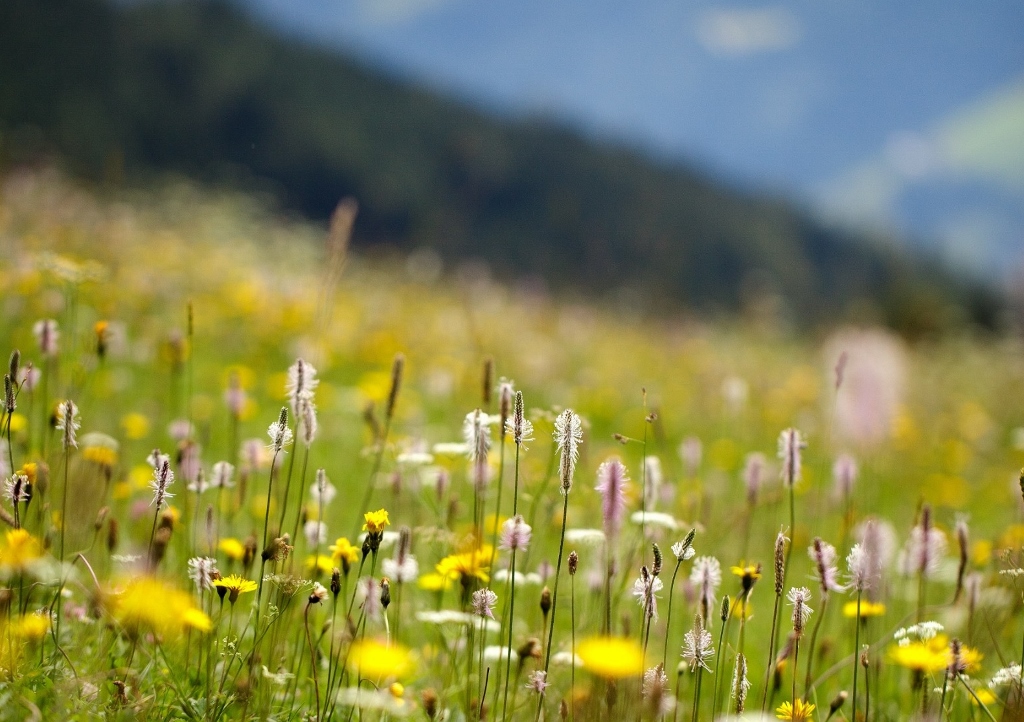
column 554, row 597
column 668, row 616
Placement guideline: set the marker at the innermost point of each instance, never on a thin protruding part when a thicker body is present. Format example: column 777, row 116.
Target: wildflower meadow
column 248, row 474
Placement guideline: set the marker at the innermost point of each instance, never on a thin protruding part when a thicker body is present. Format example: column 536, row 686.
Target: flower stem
column 554, row 597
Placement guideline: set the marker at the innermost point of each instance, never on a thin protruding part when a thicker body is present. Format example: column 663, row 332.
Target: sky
column 902, row 115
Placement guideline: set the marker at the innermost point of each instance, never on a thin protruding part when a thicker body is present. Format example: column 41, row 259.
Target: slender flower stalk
column 780, row 581
column 791, row 445
column 724, row 618
column 280, row 437
column 706, row 576
column 68, row 424
column 568, row 436
column 522, row 433
column 740, row 684
column 683, row 550
column 611, row 485
column 861, row 568
column 823, row 555
column 697, row 650
column 798, row 597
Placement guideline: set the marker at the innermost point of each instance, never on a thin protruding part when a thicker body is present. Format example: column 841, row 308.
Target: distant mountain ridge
column 197, row 86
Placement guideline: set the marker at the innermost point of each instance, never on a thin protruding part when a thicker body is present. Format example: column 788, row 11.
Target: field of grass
column 179, row 314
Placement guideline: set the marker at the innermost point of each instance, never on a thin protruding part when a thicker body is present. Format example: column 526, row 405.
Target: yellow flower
column 985, row 696
column 32, row 627
column 466, row 565
column 798, row 711
column 867, row 609
column 748, row 574
column 148, row 603
column 397, row 690
column 930, row 656
column 343, row 551
column 196, row 619
column 434, row 582
column 31, row 470
column 376, row 521
column 100, row 449
column 611, row 657
column 374, row 660
column 235, row 585
column 232, row 548
column 135, row 425
column 22, row 549
column 18, row 423
column 320, row 564
column 100, row 455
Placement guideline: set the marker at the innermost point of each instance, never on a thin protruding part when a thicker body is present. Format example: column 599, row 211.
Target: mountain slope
column 198, row 87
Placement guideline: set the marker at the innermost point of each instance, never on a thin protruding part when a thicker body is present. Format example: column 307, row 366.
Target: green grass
column 943, row 432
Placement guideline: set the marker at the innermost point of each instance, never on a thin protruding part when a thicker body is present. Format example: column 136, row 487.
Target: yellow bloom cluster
column 375, row 521
column 147, row 603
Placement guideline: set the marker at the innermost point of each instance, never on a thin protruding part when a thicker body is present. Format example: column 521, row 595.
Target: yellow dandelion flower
column 235, row 585
column 375, row 521
column 100, row 455
column 798, row 711
column 18, row 423
column 320, row 564
column 135, row 425
column 434, row 582
column 343, row 551
column 472, row 564
column 920, row 656
column 748, row 574
column 232, row 548
column 611, row 657
column 397, row 690
column 373, row 659
column 867, row 609
column 32, row 627
column 30, row 469
column 147, row 603
column 21, row 550
column 140, row 476
column 196, row 619
column 985, row 696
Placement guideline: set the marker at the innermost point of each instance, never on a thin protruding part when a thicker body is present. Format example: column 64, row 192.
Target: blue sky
column 893, row 114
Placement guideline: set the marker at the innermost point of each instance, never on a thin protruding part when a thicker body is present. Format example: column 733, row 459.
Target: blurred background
column 815, row 163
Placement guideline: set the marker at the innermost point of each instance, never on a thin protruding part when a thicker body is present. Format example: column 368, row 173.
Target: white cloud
column 740, row 32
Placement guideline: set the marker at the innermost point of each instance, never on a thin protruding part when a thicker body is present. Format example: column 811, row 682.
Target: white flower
column 322, row 491
column 645, row 589
column 223, row 474
column 706, row 575
column 301, row 384
column 654, row 518
column 1007, row 675
column 316, row 532
column 280, row 435
column 201, row 570
column 586, row 537
column 697, row 646
column 406, row 571
column 68, row 423
column 791, row 445
column 568, row 435
column 683, row 550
